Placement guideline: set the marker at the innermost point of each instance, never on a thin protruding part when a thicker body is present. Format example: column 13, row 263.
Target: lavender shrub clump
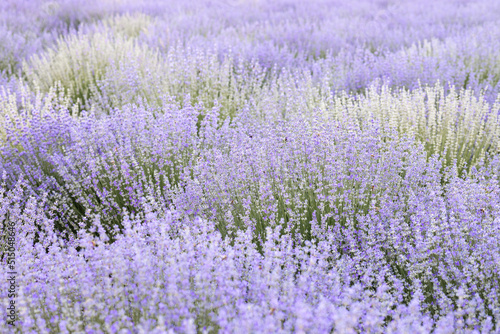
column 250, row 166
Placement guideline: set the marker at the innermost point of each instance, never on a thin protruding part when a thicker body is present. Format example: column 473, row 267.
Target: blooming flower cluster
column 250, row 166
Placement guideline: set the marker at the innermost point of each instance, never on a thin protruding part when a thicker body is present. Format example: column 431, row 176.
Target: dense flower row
column 165, row 273
column 345, row 45
column 90, row 159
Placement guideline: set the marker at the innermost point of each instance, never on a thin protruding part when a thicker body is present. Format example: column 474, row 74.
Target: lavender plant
column 121, row 165
column 459, row 127
column 80, row 62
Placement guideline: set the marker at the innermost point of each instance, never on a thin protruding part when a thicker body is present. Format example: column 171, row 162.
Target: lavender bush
column 250, row 166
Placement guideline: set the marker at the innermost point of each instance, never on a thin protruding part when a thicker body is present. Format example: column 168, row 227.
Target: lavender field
column 250, row 166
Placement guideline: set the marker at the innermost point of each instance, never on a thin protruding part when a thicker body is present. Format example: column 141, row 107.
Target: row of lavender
column 345, row 45
column 202, row 169
column 166, row 274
